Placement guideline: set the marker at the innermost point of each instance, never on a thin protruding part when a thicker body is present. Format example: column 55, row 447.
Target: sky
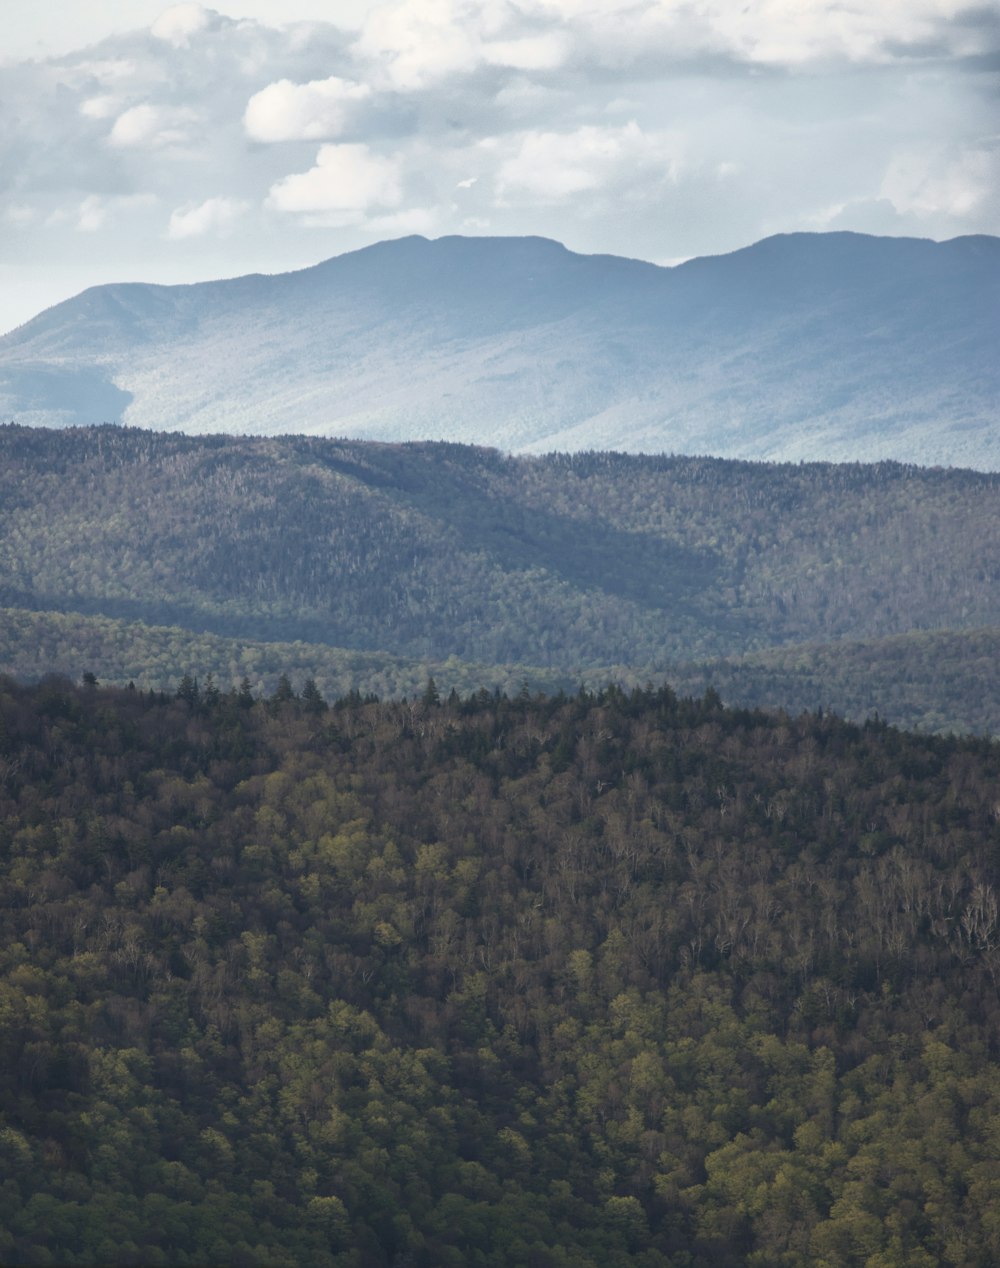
column 142, row 141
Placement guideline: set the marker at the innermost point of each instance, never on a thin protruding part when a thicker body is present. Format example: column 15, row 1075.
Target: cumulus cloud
column 415, row 43
column 151, row 127
column 418, row 41
column 214, row 215
column 284, row 111
column 940, row 183
column 177, row 24
column 553, row 166
column 346, row 179
column 102, row 106
column 791, row 33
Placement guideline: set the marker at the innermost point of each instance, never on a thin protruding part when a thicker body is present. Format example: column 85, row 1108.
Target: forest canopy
column 610, row 978
column 567, row 562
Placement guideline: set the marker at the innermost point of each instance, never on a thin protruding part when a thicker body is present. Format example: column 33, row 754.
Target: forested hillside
column 940, row 681
column 428, row 551
column 937, row 681
column 601, row 980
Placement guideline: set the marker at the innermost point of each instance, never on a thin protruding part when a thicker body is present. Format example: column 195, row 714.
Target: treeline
column 33, row 644
column 427, row 551
column 936, row 681
column 616, row 978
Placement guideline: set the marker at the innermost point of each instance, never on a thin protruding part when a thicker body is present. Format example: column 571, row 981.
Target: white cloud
column 413, row 220
column 528, row 52
column 149, row 126
column 106, row 71
column 214, row 215
column 177, row 24
column 346, row 179
column 100, row 107
column 284, row 111
column 552, row 166
column 791, row 33
column 415, row 43
column 93, row 212
column 941, row 183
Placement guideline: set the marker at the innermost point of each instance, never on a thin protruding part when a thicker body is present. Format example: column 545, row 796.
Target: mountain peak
column 804, row 345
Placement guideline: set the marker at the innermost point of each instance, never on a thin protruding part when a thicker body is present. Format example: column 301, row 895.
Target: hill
column 943, row 681
column 431, row 551
column 600, row 981
column 804, row 346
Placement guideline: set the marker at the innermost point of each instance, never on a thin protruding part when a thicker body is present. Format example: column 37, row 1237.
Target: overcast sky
column 147, row 142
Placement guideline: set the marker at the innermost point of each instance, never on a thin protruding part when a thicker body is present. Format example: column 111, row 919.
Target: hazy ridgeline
column 816, row 346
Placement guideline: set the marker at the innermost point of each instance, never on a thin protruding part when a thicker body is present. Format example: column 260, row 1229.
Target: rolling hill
column 802, row 347
column 553, row 569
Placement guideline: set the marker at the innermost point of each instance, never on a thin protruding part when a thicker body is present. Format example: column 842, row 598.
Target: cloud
column 554, row 166
column 504, row 116
column 415, row 43
column 214, row 215
column 941, row 183
column 527, row 52
column 787, row 33
column 100, row 107
column 284, row 111
column 151, row 126
column 422, row 220
column 93, row 212
column 178, row 23
column 345, row 179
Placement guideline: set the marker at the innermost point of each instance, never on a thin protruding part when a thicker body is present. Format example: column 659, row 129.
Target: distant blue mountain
column 804, row 346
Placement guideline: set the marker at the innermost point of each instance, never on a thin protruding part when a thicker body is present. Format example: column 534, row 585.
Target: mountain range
column 839, row 347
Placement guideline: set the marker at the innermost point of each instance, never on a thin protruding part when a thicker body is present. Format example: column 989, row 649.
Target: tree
column 312, row 698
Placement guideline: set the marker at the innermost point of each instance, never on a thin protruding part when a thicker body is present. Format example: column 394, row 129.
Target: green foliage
column 617, row 978
column 940, row 682
column 566, row 562
column 937, row 681
column 33, row 644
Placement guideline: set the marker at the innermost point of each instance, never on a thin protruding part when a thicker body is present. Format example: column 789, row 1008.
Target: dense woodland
column 602, row 979
column 568, row 562
column 937, row 681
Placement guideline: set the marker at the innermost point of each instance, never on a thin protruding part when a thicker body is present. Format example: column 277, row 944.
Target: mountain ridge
column 431, row 550
column 802, row 346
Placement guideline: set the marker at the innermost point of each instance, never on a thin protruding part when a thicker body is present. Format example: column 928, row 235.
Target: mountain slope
column 936, row 681
column 833, row 346
column 615, row 981
column 432, row 550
